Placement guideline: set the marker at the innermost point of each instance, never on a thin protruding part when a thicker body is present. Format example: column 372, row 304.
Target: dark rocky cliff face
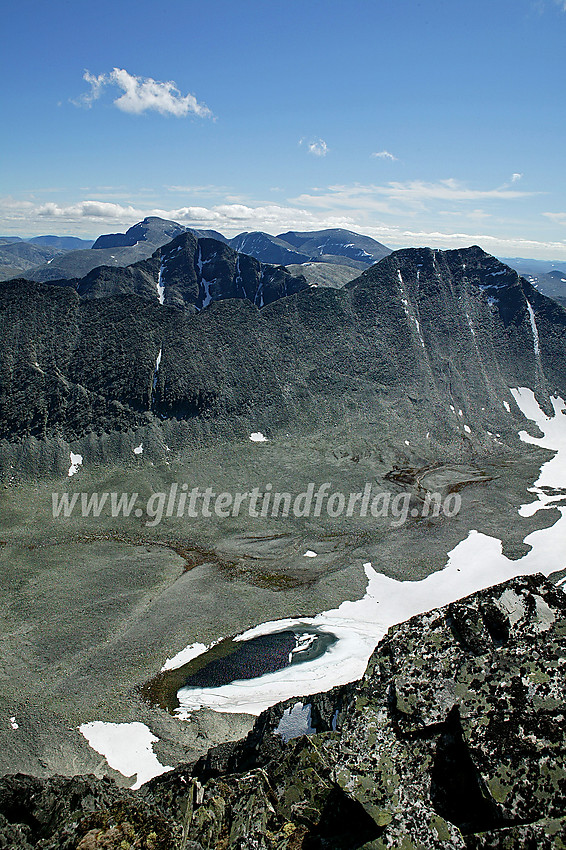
column 454, row 738
column 424, row 345
column 191, row 273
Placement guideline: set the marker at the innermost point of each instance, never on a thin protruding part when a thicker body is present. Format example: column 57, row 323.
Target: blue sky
column 436, row 123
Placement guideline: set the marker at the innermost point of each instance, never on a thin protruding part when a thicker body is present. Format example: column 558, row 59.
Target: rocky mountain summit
column 321, row 246
column 337, row 246
column 113, row 249
column 191, row 272
column 454, row 738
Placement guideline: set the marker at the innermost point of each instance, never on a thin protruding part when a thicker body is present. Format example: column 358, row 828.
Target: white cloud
column 474, row 215
column 96, row 85
column 409, row 196
column 317, row 147
column 515, row 177
column 559, row 218
column 450, row 189
column 233, row 217
column 209, row 189
column 142, row 94
column 384, row 155
column 86, row 209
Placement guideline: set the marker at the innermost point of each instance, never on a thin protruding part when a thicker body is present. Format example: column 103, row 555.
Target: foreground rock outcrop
column 454, row 738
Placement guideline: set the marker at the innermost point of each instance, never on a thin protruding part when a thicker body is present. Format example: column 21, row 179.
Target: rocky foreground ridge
column 454, row 738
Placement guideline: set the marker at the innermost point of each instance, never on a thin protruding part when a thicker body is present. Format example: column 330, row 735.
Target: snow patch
column 310, row 554
column 507, row 406
column 187, row 654
column 295, row 722
column 76, row 461
column 127, row 747
column 206, row 283
column 156, row 370
column 470, row 325
column 258, row 437
column 409, row 312
column 139, row 449
column 13, row 723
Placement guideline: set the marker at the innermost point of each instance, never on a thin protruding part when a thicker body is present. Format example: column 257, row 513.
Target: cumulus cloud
column 85, row 209
column 96, row 84
column 142, row 94
column 384, row 155
column 232, row 216
column 317, row 147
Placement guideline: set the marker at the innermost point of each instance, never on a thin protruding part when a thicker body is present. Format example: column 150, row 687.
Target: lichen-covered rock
column 80, row 813
column 460, row 714
column 454, row 738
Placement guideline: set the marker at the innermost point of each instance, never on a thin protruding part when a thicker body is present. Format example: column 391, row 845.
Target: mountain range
column 67, row 257
column 141, row 240
column 211, row 338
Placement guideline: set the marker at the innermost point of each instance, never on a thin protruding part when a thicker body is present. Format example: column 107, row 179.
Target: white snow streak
column 470, row 325
column 536, row 341
column 160, row 286
column 206, row 283
column 409, row 312
column 156, row 370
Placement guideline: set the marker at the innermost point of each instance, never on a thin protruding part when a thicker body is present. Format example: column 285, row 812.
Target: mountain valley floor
column 93, row 607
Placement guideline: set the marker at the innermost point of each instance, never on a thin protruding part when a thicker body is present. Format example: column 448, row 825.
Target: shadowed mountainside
column 424, row 342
